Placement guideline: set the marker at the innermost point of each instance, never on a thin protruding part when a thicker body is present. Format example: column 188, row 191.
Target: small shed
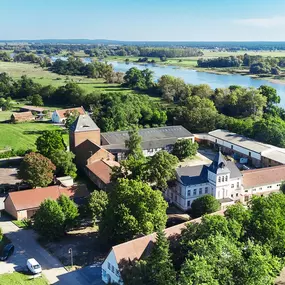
column 22, row 117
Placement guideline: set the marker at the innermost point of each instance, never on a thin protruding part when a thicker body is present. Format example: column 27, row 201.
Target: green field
column 23, row 135
column 17, row 278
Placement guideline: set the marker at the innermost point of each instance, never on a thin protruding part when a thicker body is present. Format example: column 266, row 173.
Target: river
column 198, row 77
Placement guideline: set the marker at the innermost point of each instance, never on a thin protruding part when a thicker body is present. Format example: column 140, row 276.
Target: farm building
column 22, row 117
column 59, row 116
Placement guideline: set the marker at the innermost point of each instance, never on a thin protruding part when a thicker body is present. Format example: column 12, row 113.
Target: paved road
column 26, row 246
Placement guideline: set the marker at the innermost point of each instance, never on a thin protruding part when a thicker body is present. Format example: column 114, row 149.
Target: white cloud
column 263, row 22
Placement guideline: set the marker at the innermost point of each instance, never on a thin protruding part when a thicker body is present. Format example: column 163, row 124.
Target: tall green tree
column 36, row 170
column 49, row 142
column 70, row 211
column 49, row 220
column 133, row 208
column 63, row 160
column 184, row 148
column 98, row 203
column 133, row 144
column 70, row 118
column 159, row 262
column 161, row 169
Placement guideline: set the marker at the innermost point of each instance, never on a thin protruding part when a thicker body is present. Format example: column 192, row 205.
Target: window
column 236, row 194
column 109, row 266
column 104, row 273
column 189, row 193
column 246, row 191
column 254, row 190
column 188, row 203
column 269, row 186
column 216, row 140
column 219, row 179
column 206, row 189
column 233, row 186
column 232, row 147
column 249, row 154
column 117, row 272
column 278, row 185
column 232, row 195
column 113, row 269
column 260, row 189
column 195, row 192
column 237, row 184
column 223, row 179
column 226, row 178
column 200, row 191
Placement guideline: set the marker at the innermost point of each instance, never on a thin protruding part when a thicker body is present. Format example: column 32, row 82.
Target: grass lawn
column 17, row 278
column 24, row 135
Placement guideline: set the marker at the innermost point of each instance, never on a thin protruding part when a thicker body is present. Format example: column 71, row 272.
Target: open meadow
column 18, row 278
column 24, row 135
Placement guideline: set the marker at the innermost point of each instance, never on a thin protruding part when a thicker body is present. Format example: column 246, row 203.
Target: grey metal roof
column 83, row 123
column 235, row 172
column 239, row 140
column 193, row 174
column 275, row 154
column 162, row 143
column 148, row 135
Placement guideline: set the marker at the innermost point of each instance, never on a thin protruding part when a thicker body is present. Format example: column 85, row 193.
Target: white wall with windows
column 110, row 270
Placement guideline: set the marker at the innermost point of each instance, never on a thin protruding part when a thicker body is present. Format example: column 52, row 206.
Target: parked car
column 7, row 251
column 34, row 266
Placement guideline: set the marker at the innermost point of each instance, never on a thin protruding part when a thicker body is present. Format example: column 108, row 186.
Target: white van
column 34, row 266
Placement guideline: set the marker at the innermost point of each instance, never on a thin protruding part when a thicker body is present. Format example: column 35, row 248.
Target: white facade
column 55, row 117
column 110, row 270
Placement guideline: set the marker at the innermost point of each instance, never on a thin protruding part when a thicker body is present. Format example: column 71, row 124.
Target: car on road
column 34, row 266
column 7, row 251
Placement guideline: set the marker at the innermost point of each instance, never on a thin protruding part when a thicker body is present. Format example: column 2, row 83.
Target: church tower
column 219, row 177
column 83, row 128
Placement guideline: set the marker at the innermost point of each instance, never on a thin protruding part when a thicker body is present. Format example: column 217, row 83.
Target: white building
column 59, row 116
column 224, row 181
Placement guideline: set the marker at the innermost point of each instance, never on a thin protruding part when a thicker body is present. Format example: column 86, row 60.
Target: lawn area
column 24, row 135
column 17, row 278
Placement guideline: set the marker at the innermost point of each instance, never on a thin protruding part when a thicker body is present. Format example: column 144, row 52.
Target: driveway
column 26, row 246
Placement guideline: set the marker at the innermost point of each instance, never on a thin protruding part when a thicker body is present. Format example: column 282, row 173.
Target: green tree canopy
column 49, row 220
column 184, row 148
column 133, row 208
column 36, row 170
column 204, row 205
column 70, row 118
column 161, row 169
column 63, row 160
column 49, row 142
column 133, row 144
column 98, row 203
column 70, row 211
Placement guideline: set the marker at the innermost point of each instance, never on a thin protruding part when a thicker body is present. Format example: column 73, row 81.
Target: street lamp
column 71, row 257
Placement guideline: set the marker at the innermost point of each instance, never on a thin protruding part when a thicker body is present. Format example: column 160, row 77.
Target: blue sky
column 171, row 20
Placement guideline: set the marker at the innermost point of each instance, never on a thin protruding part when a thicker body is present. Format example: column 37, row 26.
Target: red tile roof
column 103, row 169
column 134, row 249
column 61, row 113
column 263, row 176
column 23, row 115
column 32, row 198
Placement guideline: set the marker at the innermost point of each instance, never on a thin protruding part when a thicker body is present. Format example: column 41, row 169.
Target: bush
column 204, row 205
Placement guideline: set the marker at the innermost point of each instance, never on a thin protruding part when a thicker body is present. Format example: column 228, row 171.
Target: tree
column 159, row 262
column 139, row 79
column 36, row 170
column 70, row 211
column 49, row 142
column 133, row 208
column 185, row 148
column 49, row 220
column 133, row 144
column 37, row 100
column 204, row 205
column 282, row 187
column 63, row 160
column 70, row 118
column 98, row 203
column 161, row 169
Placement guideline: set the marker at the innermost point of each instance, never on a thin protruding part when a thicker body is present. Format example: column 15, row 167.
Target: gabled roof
column 103, row 169
column 84, row 123
column 33, row 108
column 219, row 165
column 263, row 176
column 23, row 115
column 135, row 249
column 61, row 113
column 148, row 135
column 32, row 198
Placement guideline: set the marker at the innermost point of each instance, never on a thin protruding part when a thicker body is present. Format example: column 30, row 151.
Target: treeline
column 111, row 111
column 169, row 52
column 245, row 246
column 257, row 64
